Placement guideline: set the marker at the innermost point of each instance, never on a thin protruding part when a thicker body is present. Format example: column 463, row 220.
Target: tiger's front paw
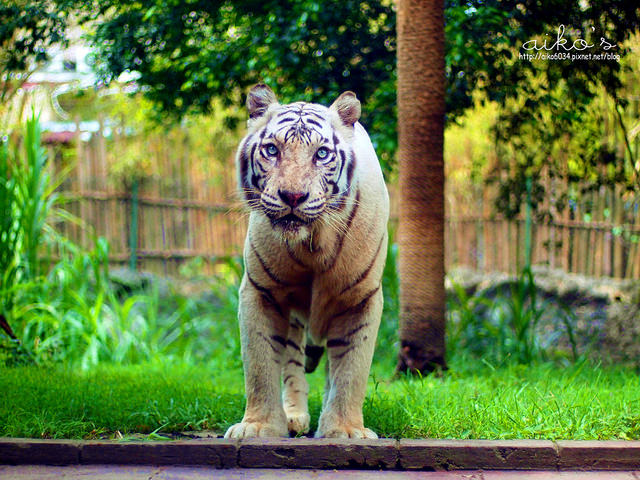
column 298, row 422
column 345, row 431
column 256, row 429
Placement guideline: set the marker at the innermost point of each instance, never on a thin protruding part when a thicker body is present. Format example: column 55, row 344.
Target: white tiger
column 314, row 255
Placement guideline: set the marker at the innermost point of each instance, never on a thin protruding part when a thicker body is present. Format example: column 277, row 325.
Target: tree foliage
column 543, row 102
column 188, row 52
column 27, row 30
column 484, row 39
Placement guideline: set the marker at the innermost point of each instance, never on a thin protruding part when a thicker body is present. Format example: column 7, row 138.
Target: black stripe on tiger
column 279, row 339
column 294, row 345
column 358, row 307
column 350, row 168
column 355, row 330
column 265, row 267
column 366, row 271
column 255, row 181
column 343, row 342
column 268, row 203
column 293, row 255
column 267, row 296
column 312, row 122
column 275, row 350
column 343, row 353
column 285, row 120
column 295, row 362
column 340, row 244
column 295, row 323
column 337, row 342
column 309, row 112
column 310, row 209
column 335, row 188
column 244, row 161
column 314, row 205
column 348, row 160
column 343, row 159
column 246, row 187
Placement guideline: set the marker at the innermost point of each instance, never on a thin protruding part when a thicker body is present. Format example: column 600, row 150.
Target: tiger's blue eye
column 322, row 153
column 272, row 150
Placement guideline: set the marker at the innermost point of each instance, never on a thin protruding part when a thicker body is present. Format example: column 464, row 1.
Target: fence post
column 133, row 233
column 527, row 226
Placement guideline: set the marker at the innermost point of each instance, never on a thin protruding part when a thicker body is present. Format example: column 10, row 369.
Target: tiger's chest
column 293, row 273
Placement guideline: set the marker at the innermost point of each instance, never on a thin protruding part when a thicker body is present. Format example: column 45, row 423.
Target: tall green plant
column 469, row 326
column 504, row 328
column 9, row 234
column 35, row 196
column 27, row 199
column 520, row 315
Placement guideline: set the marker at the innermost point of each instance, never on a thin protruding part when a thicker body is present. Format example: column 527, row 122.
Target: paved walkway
column 118, row 472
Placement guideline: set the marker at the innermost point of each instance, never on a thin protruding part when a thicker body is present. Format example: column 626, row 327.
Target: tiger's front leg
column 263, row 330
column 296, row 389
column 350, row 343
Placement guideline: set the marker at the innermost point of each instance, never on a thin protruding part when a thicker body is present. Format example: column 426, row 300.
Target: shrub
column 27, row 199
column 504, row 327
column 71, row 312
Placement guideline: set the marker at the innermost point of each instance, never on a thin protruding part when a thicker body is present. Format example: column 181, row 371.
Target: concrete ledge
column 599, row 455
column 216, row 453
column 20, row 451
column 321, row 453
column 478, row 454
column 383, row 454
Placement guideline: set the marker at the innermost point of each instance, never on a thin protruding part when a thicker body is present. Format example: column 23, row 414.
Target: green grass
column 518, row 401
column 540, row 401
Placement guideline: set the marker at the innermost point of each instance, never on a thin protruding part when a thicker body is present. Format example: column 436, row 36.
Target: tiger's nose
column 293, row 199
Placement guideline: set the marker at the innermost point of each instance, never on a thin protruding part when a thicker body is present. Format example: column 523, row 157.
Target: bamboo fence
column 187, row 215
column 156, row 222
column 596, row 235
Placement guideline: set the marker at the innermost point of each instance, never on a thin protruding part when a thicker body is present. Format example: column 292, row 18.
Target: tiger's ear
column 348, row 108
column 258, row 100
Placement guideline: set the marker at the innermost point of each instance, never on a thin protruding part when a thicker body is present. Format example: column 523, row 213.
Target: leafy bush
column 80, row 319
column 73, row 313
column 499, row 327
column 503, row 328
column 27, row 200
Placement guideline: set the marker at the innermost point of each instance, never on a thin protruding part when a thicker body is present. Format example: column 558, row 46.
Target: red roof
column 58, row 137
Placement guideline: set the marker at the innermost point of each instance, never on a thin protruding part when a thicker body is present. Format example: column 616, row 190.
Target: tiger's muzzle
column 294, row 219
column 289, row 211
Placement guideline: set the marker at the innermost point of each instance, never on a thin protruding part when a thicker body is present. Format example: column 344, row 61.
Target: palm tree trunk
column 421, row 108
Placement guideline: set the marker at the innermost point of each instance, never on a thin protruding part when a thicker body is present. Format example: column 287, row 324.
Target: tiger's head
column 296, row 164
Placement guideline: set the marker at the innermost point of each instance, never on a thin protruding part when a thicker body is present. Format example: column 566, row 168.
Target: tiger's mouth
column 290, row 222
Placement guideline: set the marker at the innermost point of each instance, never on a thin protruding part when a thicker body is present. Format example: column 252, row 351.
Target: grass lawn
column 541, row 401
